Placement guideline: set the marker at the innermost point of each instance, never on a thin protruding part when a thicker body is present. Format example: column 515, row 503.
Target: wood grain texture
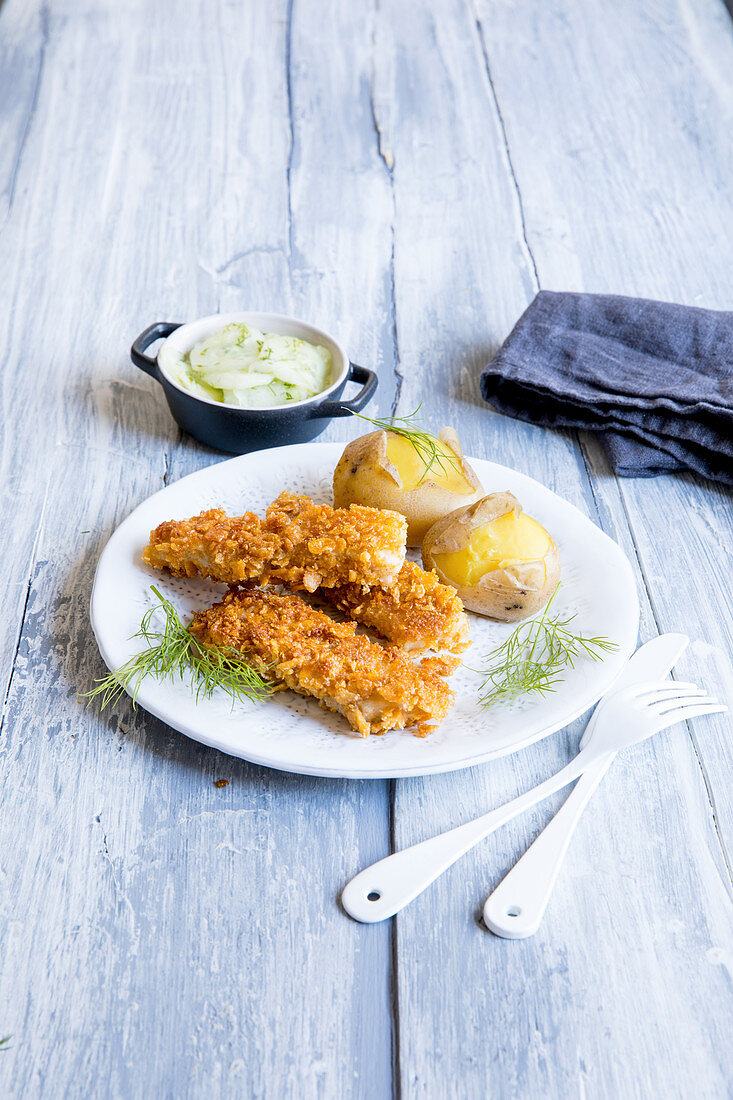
column 563, row 1014
column 161, row 937
column 405, row 175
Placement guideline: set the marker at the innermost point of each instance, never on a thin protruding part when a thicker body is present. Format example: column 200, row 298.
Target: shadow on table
column 462, row 381
column 133, row 410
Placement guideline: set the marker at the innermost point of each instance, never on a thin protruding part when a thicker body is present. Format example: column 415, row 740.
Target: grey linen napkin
column 654, row 378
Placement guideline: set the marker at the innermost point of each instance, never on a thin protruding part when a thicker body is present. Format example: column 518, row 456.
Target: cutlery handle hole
column 373, row 895
column 515, row 911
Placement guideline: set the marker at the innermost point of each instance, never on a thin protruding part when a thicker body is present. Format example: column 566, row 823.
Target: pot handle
column 346, row 408
column 154, row 332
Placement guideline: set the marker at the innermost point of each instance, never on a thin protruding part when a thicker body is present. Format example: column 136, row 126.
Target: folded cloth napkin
column 654, row 378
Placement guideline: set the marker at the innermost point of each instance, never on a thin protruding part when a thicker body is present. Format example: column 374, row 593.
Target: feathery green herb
column 172, row 651
column 4, row 1043
column 535, row 656
column 426, row 445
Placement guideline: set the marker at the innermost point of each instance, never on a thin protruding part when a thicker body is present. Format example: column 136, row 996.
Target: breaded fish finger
column 375, row 687
column 416, row 612
column 299, row 544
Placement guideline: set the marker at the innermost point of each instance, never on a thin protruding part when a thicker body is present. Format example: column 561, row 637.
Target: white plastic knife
column 516, row 907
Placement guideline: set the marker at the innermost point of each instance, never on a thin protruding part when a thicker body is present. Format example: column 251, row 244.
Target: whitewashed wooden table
column 407, row 175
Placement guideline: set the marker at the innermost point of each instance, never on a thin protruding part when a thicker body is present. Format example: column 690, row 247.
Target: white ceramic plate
column 293, row 733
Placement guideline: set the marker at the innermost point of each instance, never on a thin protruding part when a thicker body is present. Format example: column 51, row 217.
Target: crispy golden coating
column 375, row 687
column 212, row 544
column 299, row 544
column 416, row 612
column 328, row 544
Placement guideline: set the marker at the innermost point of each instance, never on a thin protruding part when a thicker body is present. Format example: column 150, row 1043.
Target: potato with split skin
column 385, row 470
column 502, row 562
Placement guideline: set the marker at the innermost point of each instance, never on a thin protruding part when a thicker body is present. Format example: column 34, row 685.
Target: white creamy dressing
column 239, row 365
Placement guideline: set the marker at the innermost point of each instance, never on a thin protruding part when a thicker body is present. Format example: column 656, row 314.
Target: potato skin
column 507, row 595
column 364, row 475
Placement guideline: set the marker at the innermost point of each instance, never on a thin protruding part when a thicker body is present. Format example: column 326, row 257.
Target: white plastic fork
column 629, row 716
column 517, row 905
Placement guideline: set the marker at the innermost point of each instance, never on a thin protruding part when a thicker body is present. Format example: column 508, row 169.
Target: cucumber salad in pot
column 239, row 365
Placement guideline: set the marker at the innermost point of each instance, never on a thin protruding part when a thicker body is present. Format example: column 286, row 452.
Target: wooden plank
column 666, row 202
column 22, row 56
column 22, row 53
column 162, row 936
column 607, row 1000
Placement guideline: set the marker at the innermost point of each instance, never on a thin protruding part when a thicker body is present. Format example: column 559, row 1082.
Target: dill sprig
column 172, row 651
column 426, row 445
column 535, row 656
column 4, row 1043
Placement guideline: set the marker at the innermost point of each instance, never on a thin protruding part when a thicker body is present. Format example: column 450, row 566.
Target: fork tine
column 682, row 714
column 669, row 691
column 664, row 685
column 666, row 706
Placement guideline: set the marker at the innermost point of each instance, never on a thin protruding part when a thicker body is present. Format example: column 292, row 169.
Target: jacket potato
column 386, row 470
column 502, row 562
